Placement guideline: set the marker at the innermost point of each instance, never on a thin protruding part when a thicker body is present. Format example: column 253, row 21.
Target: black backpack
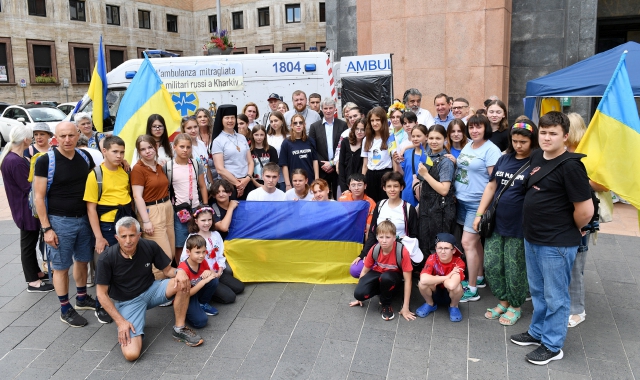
column 399, row 248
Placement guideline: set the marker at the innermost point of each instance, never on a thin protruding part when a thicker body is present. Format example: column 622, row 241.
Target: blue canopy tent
column 587, row 78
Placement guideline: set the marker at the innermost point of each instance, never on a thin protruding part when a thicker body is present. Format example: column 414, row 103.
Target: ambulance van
column 209, row 81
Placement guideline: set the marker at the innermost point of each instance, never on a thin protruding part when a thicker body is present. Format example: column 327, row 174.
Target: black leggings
column 375, row 283
column 28, row 255
column 374, row 184
column 228, row 287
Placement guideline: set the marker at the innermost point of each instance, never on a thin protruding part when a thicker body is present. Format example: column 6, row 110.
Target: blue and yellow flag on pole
column 145, row 96
column 98, row 91
column 311, row 242
column 612, row 140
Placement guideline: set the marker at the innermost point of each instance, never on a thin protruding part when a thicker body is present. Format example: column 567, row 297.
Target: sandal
column 506, row 320
column 573, row 323
column 495, row 314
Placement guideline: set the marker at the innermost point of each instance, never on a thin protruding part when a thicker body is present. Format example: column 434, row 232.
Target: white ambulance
column 209, row 81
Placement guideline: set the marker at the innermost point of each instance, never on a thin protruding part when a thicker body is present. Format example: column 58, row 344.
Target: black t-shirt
column 509, row 211
column 66, row 194
column 262, row 157
column 501, row 139
column 299, row 155
column 128, row 278
column 548, row 204
column 217, row 218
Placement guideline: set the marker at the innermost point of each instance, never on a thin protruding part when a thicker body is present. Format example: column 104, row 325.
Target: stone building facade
column 45, row 39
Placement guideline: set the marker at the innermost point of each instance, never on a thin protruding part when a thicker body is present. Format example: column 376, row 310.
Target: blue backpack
column 50, row 172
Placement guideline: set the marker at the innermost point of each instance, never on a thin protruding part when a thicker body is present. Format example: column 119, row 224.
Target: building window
column 113, row 15
column 320, row 46
column 37, row 8
column 293, row 13
column 141, row 52
column 81, row 61
column 263, row 17
column 76, row 8
column 322, row 13
column 237, row 20
column 213, row 24
column 6, row 61
column 115, row 56
column 42, row 61
column 293, row 47
column 144, row 19
column 264, row 49
column 242, row 50
column 172, row 23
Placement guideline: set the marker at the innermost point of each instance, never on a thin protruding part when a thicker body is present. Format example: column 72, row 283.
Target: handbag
column 488, row 219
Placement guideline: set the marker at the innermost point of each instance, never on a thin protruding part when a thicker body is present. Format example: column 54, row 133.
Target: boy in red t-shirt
column 204, row 282
column 382, row 276
column 441, row 278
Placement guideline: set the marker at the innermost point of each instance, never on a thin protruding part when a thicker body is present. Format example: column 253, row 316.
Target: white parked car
column 67, row 107
column 26, row 116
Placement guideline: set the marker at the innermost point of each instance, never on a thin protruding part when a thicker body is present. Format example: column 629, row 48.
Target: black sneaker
column 524, row 339
column 88, row 303
column 188, row 336
column 542, row 355
column 43, row 288
column 103, row 316
column 73, row 319
column 387, row 312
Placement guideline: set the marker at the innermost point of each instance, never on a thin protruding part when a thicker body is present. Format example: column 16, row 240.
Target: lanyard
column 189, row 165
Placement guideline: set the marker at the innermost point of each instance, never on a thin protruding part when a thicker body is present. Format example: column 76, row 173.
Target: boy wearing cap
column 41, row 136
column 273, row 106
column 440, row 280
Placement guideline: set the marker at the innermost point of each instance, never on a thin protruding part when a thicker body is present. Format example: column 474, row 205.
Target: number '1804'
column 286, row 67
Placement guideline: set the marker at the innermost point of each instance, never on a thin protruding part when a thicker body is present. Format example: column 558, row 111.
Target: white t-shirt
column 425, row 118
column 290, row 195
column 275, row 141
column 377, row 158
column 215, row 250
column 96, row 155
column 395, row 215
column 261, row 195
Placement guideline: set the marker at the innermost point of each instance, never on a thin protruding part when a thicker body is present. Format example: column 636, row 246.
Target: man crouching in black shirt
column 126, row 287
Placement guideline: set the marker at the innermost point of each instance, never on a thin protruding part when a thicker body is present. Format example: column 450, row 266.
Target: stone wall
column 342, row 36
column 546, row 36
column 459, row 47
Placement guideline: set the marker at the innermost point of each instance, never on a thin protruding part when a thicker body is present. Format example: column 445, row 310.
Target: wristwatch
column 45, row 229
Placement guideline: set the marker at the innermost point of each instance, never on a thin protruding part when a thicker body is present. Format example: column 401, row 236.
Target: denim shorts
column 181, row 231
column 135, row 310
column 466, row 215
column 74, row 241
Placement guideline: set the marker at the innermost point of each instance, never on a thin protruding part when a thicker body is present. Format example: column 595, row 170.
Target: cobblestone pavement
column 300, row 331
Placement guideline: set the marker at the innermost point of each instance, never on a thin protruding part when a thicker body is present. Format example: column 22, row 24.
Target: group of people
column 151, row 232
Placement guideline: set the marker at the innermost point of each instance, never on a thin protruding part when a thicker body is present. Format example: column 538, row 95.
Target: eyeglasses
column 157, row 127
column 459, row 107
column 443, row 249
column 357, row 185
column 297, row 123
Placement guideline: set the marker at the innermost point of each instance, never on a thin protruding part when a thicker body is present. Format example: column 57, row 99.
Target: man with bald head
column 59, row 191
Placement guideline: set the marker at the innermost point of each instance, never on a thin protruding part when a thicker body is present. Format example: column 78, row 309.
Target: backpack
column 399, row 248
column 97, row 170
column 216, row 209
column 405, row 210
column 167, row 168
column 50, row 172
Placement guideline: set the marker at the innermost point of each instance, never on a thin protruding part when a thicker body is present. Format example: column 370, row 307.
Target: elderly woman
column 85, row 126
column 231, row 153
column 15, row 171
column 41, row 136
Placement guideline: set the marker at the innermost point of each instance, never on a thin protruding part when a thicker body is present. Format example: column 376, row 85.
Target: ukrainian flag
column 311, row 242
column 613, row 137
column 98, row 91
column 146, row 95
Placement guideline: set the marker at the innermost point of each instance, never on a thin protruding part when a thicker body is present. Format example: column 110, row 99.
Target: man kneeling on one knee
column 440, row 280
column 126, row 287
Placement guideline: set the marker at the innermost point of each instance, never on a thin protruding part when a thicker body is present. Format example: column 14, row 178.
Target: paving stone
column 520, row 368
column 487, row 340
column 562, row 375
column 105, row 339
column 447, row 358
column 152, row 366
column 221, row 368
column 364, row 376
column 408, row 364
column 574, row 359
column 321, row 307
column 284, row 316
column 373, row 319
column 45, row 334
column 297, row 291
column 602, row 369
column 414, row 335
column 302, row 349
column 262, row 301
column 602, row 342
column 114, row 361
column 36, row 374
column 11, row 336
column 7, row 318
column 486, row 369
column 334, row 360
column 263, row 356
column 24, row 301
column 16, row 361
column 628, row 323
column 173, row 376
column 632, row 349
column 614, row 271
column 80, row 365
column 237, row 342
column 373, row 353
column 621, row 295
column 593, row 282
column 445, row 327
column 13, row 287
column 100, row 374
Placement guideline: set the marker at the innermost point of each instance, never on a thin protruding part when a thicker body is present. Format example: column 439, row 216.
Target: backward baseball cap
column 42, row 127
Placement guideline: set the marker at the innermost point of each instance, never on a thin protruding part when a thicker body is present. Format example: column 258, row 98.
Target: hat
column 446, row 238
column 42, row 127
column 274, row 96
column 223, row 110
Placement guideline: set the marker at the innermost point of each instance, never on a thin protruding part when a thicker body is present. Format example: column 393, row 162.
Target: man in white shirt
column 299, row 99
column 268, row 191
column 412, row 99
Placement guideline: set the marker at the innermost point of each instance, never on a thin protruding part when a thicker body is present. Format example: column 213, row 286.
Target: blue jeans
column 195, row 315
column 549, row 274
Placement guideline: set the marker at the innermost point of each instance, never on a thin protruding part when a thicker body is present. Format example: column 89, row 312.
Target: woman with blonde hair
column 251, row 110
column 298, row 151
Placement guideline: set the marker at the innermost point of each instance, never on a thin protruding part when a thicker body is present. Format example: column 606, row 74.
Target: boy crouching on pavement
column 383, row 271
column 440, row 280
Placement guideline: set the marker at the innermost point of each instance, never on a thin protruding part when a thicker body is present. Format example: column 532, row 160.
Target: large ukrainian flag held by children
column 612, row 141
column 312, row 242
column 98, row 91
column 146, row 95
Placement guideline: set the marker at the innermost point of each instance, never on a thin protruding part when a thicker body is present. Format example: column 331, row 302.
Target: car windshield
column 46, row 114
